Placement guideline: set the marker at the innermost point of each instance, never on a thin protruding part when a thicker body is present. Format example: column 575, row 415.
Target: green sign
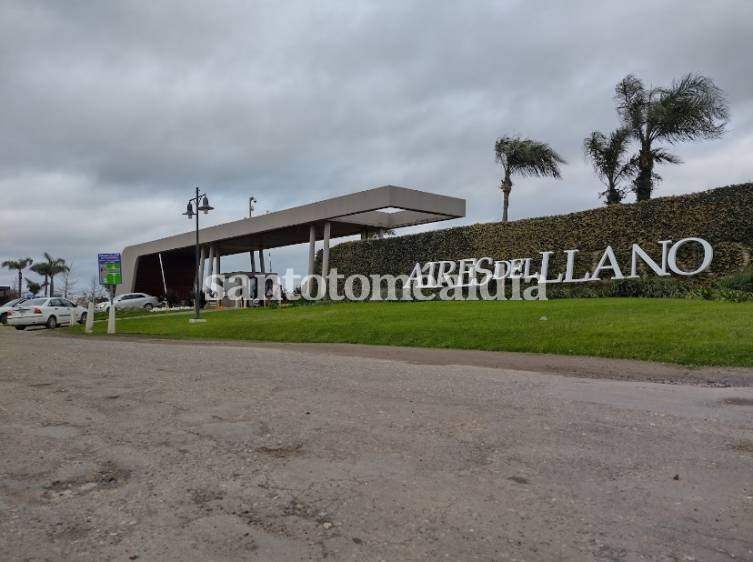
column 110, row 272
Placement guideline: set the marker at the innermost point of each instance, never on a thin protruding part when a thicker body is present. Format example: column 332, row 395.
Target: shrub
column 742, row 281
column 733, row 295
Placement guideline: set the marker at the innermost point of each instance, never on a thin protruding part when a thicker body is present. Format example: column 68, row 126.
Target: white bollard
column 90, row 318
column 111, row 320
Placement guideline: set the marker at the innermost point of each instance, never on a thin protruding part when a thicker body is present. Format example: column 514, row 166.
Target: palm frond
column 693, row 107
column 631, row 98
column 527, row 157
column 661, row 156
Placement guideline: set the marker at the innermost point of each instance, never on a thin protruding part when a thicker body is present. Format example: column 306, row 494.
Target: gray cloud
column 112, row 111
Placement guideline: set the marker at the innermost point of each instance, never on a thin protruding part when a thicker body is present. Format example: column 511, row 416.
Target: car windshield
column 35, row 302
column 14, row 302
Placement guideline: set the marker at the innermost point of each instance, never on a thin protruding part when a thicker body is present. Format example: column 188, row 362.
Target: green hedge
column 723, row 216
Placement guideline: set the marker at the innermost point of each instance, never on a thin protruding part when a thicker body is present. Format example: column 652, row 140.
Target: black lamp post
column 202, row 204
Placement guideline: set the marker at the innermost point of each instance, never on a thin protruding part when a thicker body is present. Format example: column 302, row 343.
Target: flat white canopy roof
column 387, row 207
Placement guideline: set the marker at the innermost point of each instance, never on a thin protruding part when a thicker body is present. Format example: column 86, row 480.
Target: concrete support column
column 262, row 266
column 253, row 261
column 260, row 285
column 202, row 260
column 312, row 248
column 325, row 252
column 210, row 262
column 218, row 271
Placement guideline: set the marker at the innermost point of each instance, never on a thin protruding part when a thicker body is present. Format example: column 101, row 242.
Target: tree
column 692, row 108
column 57, row 265
column 610, row 161
column 524, row 157
column 48, row 269
column 33, row 287
column 19, row 265
column 95, row 290
column 43, row 269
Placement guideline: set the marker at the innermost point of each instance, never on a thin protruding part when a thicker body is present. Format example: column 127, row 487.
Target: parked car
column 6, row 307
column 100, row 304
column 132, row 300
column 50, row 311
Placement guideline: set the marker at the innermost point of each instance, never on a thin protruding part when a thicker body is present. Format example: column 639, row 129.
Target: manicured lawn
column 129, row 312
column 689, row 332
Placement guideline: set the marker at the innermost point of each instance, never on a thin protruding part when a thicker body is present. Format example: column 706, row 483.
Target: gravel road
column 114, row 449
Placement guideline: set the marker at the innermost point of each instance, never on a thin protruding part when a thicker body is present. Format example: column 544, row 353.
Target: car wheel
column 148, row 307
column 4, row 318
column 52, row 322
column 20, row 327
column 82, row 320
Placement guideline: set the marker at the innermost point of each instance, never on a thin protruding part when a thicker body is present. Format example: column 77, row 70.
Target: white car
column 50, row 311
column 6, row 307
column 132, row 300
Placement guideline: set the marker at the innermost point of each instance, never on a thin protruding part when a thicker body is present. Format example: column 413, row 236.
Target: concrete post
column 253, row 261
column 262, row 265
column 111, row 320
column 90, row 317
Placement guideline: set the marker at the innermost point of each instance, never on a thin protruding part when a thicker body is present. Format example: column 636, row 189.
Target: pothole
column 737, row 401
column 83, row 477
column 280, row 452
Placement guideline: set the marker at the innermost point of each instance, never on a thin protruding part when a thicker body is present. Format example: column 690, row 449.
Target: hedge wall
column 723, row 216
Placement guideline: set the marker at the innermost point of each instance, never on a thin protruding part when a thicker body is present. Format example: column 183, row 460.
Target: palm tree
column 693, row 107
column 33, row 286
column 57, row 265
column 42, row 268
column 610, row 162
column 19, row 265
column 48, row 269
column 524, row 157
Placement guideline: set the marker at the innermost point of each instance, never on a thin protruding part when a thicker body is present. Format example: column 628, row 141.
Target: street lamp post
column 202, row 204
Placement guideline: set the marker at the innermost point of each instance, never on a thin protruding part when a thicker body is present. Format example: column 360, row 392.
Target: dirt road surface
column 133, row 450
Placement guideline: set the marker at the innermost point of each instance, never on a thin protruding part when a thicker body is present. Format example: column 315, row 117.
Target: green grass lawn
column 689, row 332
column 128, row 312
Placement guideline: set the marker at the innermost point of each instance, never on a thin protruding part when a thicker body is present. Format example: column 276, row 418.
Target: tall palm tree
column 524, row 157
column 19, row 265
column 57, row 265
column 692, row 108
column 48, row 269
column 33, row 286
column 610, row 161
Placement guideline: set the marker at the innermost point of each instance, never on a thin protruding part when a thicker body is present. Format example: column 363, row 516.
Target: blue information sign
column 110, row 272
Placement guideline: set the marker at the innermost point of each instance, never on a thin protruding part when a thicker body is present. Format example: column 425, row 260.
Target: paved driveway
column 129, row 450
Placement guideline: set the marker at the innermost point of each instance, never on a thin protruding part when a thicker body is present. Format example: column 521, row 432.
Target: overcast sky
column 113, row 111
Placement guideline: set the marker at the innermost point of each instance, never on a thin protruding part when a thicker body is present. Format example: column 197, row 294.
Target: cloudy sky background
column 113, row 111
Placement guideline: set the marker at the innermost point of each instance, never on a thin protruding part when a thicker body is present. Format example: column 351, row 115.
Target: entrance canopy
column 167, row 264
